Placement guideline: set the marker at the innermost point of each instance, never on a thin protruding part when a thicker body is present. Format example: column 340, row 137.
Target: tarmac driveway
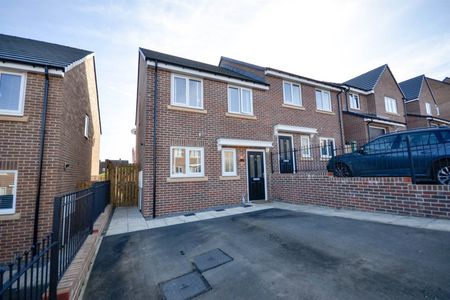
column 279, row 254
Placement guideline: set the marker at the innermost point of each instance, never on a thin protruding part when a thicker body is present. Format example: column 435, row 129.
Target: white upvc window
column 8, row 183
column 292, row 93
column 326, row 147
column 428, row 108
column 12, row 93
column 187, row 161
column 240, row 100
column 186, row 91
column 354, row 101
column 323, row 100
column 86, row 126
column 437, row 110
column 305, row 145
column 229, row 167
column 390, row 105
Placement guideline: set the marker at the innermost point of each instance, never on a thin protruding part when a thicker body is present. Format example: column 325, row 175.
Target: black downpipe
column 155, row 123
column 41, row 158
column 341, row 131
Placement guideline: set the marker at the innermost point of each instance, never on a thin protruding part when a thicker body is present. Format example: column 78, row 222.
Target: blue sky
column 327, row 40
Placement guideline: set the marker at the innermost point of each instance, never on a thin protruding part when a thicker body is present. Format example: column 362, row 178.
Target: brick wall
column 441, row 92
column 387, row 87
column 390, row 195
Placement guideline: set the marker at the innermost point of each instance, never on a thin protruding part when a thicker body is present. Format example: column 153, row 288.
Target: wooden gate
column 124, row 183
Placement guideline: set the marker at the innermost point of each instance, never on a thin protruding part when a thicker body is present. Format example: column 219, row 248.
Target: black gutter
column 341, row 131
column 41, row 158
column 155, row 123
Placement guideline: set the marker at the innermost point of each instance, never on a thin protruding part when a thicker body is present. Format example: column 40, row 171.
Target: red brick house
column 421, row 106
column 206, row 135
column 49, row 133
column 373, row 105
column 441, row 92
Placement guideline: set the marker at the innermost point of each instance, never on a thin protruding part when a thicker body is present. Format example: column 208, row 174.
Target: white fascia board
column 243, row 143
column 301, row 80
column 298, row 129
column 438, row 120
column 412, row 100
column 29, row 68
column 383, row 122
column 202, row 74
column 352, row 89
column 80, row 61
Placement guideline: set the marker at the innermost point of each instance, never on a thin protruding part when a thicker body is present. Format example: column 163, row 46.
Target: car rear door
column 376, row 157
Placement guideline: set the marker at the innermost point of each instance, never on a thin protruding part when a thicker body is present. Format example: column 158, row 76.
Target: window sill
column 9, row 217
column 293, row 106
column 23, row 119
column 306, row 158
column 229, row 177
column 393, row 114
column 326, row 112
column 187, row 179
column 239, row 116
column 187, row 109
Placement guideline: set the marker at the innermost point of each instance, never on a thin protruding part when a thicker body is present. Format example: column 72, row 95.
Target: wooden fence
column 124, row 184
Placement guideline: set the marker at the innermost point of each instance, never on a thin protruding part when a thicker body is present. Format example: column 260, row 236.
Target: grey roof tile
column 411, row 87
column 38, row 53
column 368, row 80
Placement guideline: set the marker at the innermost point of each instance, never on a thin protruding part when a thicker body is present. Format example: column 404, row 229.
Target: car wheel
column 443, row 174
column 342, row 170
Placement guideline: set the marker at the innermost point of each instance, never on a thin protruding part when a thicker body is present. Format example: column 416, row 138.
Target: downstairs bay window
column 186, row 162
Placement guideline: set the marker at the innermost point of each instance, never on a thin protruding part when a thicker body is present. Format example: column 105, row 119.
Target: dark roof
column 368, row 80
column 224, row 63
column 195, row 65
column 38, row 53
column 411, row 87
column 331, row 84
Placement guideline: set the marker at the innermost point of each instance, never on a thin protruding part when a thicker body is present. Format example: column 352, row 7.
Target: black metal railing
column 35, row 273
column 28, row 276
column 421, row 156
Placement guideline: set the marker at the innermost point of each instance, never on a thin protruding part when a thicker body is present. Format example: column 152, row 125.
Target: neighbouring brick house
column 373, row 105
column 47, row 91
column 441, row 92
column 205, row 133
column 421, row 106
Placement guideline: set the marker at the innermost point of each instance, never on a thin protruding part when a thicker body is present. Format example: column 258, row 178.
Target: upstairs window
column 292, row 94
column 186, row 162
column 354, row 101
column 8, row 182
column 323, row 100
column 390, row 105
column 187, row 91
column 86, row 126
column 240, row 100
column 11, row 93
column 428, row 108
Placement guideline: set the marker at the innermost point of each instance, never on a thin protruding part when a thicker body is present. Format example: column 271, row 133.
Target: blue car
column 424, row 153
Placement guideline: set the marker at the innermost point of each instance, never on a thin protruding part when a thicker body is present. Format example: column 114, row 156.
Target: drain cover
column 211, row 259
column 186, row 286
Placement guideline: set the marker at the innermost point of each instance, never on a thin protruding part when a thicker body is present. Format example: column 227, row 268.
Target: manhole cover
column 211, row 259
column 186, row 286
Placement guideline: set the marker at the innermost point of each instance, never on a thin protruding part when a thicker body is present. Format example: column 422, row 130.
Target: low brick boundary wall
column 395, row 195
column 76, row 275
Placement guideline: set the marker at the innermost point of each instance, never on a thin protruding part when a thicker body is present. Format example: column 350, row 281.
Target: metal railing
column 35, row 274
column 417, row 155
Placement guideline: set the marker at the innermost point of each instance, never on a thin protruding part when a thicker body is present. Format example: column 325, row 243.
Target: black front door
column 256, row 185
column 286, row 157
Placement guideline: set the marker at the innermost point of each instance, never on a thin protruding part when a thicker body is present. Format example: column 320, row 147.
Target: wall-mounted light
column 241, row 157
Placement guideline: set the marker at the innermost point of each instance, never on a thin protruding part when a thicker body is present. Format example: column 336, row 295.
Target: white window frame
column 186, row 78
column 320, row 148
column 240, row 89
column 437, row 110
column 8, row 211
column 428, row 109
column 21, row 105
column 323, row 92
column 305, row 147
column 87, row 122
column 354, row 99
column 232, row 150
column 291, row 101
column 186, row 158
column 390, row 104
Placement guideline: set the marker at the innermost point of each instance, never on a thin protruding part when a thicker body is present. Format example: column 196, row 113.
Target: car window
column 419, row 139
column 445, row 135
column 380, row 145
